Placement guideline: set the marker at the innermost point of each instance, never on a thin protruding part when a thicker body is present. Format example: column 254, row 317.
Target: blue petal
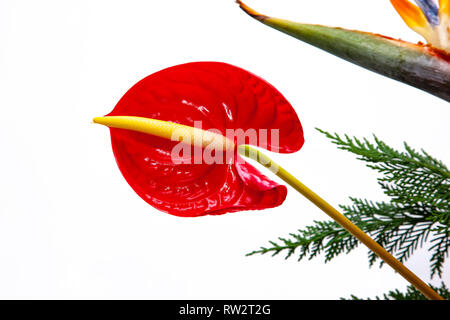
column 430, row 9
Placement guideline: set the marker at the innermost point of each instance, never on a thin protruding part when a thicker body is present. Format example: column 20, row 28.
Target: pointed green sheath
column 418, row 65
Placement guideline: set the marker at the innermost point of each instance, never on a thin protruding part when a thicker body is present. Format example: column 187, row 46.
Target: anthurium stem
column 167, row 130
column 261, row 158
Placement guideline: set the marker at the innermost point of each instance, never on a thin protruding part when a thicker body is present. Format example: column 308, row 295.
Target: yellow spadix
column 169, row 130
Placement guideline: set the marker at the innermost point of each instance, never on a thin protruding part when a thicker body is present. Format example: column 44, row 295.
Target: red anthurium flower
column 219, row 96
column 224, row 98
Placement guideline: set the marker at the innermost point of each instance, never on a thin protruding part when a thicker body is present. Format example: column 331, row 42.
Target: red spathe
column 222, row 97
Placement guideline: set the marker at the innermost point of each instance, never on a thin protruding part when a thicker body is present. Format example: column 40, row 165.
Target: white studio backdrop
column 71, row 227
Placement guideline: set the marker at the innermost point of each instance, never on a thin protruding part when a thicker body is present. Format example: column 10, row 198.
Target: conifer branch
column 419, row 209
column 410, row 294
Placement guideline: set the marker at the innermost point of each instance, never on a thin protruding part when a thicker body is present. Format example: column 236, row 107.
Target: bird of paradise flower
column 428, row 20
column 424, row 66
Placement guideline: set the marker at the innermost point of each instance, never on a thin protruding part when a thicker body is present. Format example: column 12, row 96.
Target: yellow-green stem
column 170, row 130
column 341, row 219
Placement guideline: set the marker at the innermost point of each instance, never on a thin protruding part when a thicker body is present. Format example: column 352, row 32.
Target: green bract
column 418, row 65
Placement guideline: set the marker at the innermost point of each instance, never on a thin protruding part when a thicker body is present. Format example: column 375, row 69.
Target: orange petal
column 444, row 7
column 410, row 13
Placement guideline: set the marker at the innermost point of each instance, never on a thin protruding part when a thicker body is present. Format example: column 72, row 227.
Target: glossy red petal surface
column 222, row 97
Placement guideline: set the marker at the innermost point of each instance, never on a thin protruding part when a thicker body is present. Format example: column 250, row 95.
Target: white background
column 71, row 227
